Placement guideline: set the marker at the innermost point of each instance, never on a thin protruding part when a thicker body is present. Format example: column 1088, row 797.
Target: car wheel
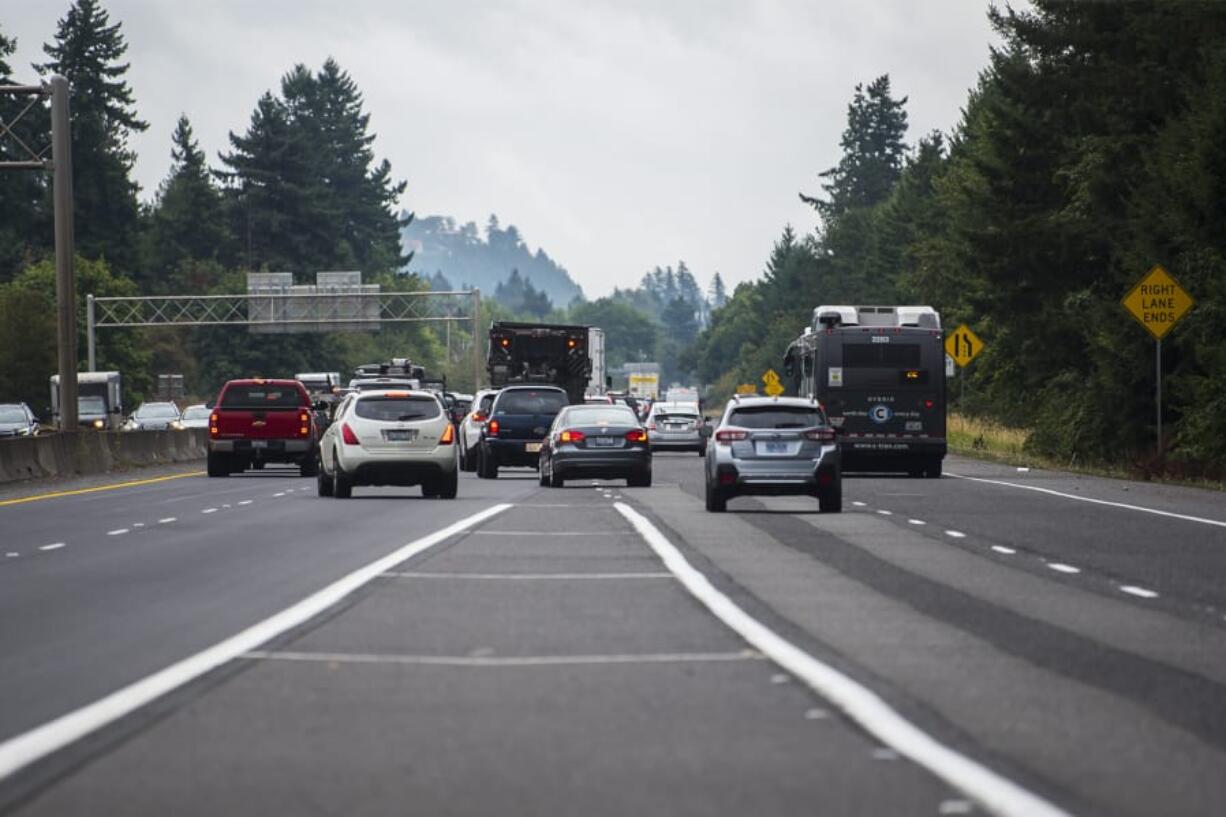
column 449, row 485
column 716, row 502
column 308, row 467
column 219, row 465
column 702, row 450
column 464, row 459
column 933, row 471
column 555, row 479
column 640, row 481
column 831, row 499
column 342, row 485
column 544, row 480
column 429, row 489
column 486, row 467
column 257, row 465
column 324, row 482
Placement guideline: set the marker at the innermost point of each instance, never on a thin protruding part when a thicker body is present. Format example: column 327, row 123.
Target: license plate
column 259, row 443
column 532, row 448
column 774, row 448
column 603, row 442
column 914, row 425
column 400, row 435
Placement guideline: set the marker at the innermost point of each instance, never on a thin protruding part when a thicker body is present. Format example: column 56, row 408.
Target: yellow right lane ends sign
column 1158, row 302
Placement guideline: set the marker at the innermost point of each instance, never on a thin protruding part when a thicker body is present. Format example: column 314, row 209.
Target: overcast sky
column 616, row 134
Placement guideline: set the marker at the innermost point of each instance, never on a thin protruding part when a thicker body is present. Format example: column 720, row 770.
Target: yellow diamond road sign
column 963, row 345
column 747, row 388
column 1158, row 302
column 773, row 387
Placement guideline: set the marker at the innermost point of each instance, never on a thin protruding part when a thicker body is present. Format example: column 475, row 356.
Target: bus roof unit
column 924, row 317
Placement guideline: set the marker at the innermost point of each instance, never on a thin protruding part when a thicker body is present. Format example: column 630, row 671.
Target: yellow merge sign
column 747, row 388
column 963, row 345
column 773, row 387
column 1158, row 302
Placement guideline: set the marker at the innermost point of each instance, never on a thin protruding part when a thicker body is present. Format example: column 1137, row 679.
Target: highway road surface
column 993, row 642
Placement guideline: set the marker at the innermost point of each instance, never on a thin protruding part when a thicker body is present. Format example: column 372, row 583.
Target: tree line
column 1090, row 149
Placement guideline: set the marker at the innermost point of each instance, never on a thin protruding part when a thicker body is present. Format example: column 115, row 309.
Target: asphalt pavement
column 957, row 646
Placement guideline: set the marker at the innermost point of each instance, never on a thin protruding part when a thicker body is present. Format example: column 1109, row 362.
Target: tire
column 640, row 481
column 323, row 482
column 544, row 477
column 430, row 489
column 485, row 468
column 257, row 465
column 466, row 461
column 342, row 485
column 449, row 485
column 933, row 471
column 702, row 450
column 308, row 467
column 831, row 500
column 219, row 465
column 555, row 479
column 716, row 501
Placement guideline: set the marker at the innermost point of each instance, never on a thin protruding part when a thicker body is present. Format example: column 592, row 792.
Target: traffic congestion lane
column 467, row 682
column 1039, row 673
column 81, row 621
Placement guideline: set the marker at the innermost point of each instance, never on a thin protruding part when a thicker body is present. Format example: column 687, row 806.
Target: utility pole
column 476, row 340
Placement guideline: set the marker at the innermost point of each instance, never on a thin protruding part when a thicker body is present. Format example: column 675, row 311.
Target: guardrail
column 96, row 452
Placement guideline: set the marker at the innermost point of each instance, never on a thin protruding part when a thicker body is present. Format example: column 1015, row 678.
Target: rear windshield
column 531, row 402
column 261, row 397
column 775, row 417
column 195, row 413
column 598, row 415
column 90, row 404
column 881, row 355
column 689, row 416
column 392, row 409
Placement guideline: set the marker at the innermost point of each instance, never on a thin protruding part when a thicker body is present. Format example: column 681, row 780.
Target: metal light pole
column 65, row 278
column 476, row 340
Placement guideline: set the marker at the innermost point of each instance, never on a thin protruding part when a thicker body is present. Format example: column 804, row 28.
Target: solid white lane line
column 117, row 532
column 996, row 793
column 1133, row 590
column 167, row 520
column 1170, row 514
column 550, row 532
column 53, row 546
column 505, row 660
column 1004, row 550
column 917, row 522
column 1063, row 568
column 28, row 747
column 527, row 576
column 957, row 534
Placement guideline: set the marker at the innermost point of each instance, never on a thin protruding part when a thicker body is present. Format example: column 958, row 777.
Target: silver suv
column 774, row 446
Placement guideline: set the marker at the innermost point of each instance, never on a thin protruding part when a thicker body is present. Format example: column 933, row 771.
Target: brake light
column 348, row 436
column 822, row 435
column 729, row 435
column 448, row 435
column 492, row 427
column 571, row 435
column 638, row 435
column 571, row 343
column 504, row 342
column 929, row 404
column 304, row 424
column 478, row 417
column 213, row 432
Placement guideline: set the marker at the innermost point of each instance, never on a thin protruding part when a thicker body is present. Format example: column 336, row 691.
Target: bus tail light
column 929, row 404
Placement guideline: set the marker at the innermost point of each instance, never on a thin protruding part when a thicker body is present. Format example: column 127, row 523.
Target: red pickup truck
column 258, row 421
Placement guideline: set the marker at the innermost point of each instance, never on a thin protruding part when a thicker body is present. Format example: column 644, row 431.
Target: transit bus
column 879, row 372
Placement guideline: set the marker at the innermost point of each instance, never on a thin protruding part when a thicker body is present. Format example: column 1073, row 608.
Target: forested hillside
column 1090, row 149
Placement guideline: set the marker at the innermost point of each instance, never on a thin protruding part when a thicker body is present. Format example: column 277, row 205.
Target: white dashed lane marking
column 885, row 512
column 957, row 534
column 53, row 546
column 858, row 504
column 168, row 520
column 245, row 502
column 917, row 522
column 209, row 510
column 1063, row 568
column 1004, row 550
column 1140, row 592
column 117, row 532
column 12, row 554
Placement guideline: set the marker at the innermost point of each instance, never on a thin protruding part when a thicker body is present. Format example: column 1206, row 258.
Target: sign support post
column 1158, row 388
column 1158, row 302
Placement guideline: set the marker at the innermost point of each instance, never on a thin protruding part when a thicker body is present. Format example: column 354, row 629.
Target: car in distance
column 258, row 421
column 773, row 446
column 596, row 442
column 389, row 438
column 16, row 420
column 196, row 416
column 520, row 417
column 153, row 416
column 676, row 427
column 469, row 428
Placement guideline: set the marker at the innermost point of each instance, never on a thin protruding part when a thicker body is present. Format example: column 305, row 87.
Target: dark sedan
column 596, row 442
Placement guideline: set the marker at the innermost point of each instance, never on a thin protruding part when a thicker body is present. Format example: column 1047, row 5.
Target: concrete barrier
column 96, row 452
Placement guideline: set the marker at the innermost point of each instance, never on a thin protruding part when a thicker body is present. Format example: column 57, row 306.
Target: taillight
column 729, row 435
column 929, row 404
column 638, row 435
column 572, row 435
column 348, row 436
column 448, row 435
column 822, row 435
column 478, row 417
column 213, row 432
column 491, row 428
column 304, row 424
column 504, row 342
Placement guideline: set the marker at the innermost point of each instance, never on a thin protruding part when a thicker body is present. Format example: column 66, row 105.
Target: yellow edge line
column 133, row 484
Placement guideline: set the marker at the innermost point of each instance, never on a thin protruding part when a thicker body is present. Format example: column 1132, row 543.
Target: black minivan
column 517, row 424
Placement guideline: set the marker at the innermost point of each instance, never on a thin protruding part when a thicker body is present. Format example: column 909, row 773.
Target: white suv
column 470, row 428
column 389, row 437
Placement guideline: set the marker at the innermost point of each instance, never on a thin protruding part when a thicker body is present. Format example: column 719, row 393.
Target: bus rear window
column 881, row 356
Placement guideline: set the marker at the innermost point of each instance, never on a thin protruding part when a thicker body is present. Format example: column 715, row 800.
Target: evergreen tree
column 873, row 152
column 187, row 222
column 717, row 295
column 88, row 51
